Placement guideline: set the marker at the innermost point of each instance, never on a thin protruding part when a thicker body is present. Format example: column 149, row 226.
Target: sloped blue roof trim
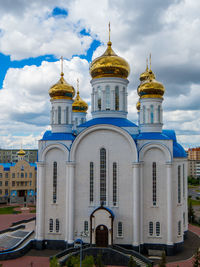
column 120, row 122
column 48, row 135
column 153, row 136
column 171, row 134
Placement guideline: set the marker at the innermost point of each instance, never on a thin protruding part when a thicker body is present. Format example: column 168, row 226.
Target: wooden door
column 102, row 236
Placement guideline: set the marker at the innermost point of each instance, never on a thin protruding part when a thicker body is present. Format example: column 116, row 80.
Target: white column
column 70, row 173
column 136, row 204
column 66, row 202
column 169, row 204
column 40, row 201
column 141, row 204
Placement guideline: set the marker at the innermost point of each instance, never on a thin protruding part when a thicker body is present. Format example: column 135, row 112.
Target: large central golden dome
column 109, row 65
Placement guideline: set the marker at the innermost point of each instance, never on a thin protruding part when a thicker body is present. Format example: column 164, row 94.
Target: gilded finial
column 109, row 30
column 150, row 61
column 77, row 86
column 61, row 62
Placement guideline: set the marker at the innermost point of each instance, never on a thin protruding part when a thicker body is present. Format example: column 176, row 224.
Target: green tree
column 99, row 262
column 196, row 261
column 88, row 261
column 131, row 262
column 191, row 215
column 54, row 262
column 163, row 260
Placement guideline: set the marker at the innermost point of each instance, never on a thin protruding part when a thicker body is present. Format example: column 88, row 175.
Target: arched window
column 99, row 97
column 179, row 228
column 119, row 229
column 59, row 115
column 86, row 228
column 54, row 182
column 159, row 117
column 107, row 97
column 150, row 228
column 103, row 175
column 154, row 182
column 179, row 184
column 124, row 98
column 91, row 181
column 157, row 228
column 114, row 183
column 184, row 218
column 116, row 98
column 57, row 225
column 50, row 225
column 67, row 115
column 151, row 112
column 144, row 114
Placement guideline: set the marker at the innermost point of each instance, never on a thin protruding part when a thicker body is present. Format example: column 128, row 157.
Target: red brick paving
column 195, row 229
column 6, row 220
column 26, row 262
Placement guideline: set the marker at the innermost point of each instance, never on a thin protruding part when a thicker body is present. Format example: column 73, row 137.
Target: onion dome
column 138, row 106
column 79, row 105
column 61, row 90
column 21, row 152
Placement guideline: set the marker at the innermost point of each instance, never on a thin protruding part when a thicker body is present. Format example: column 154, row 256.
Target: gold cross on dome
column 109, row 30
column 61, row 61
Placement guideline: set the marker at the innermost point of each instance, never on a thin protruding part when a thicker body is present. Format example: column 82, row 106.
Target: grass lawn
column 197, row 190
column 192, row 186
column 33, row 211
column 194, row 202
column 9, row 210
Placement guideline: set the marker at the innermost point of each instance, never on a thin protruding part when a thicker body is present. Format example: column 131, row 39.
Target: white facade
column 113, row 178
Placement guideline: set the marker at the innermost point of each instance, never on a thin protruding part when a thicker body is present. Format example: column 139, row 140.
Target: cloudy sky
column 34, row 34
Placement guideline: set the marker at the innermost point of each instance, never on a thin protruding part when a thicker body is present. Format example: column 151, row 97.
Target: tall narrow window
column 151, row 112
column 57, row 225
column 50, row 225
column 124, row 98
column 59, row 115
column 120, row 229
column 116, row 98
column 99, row 97
column 157, row 228
column 86, row 228
column 103, row 175
column 54, row 182
column 179, row 184
column 179, row 228
column 114, row 184
column 107, row 97
column 67, row 115
column 184, row 218
column 91, row 181
column 144, row 114
column 159, row 117
column 154, row 182
column 183, row 180
column 150, row 228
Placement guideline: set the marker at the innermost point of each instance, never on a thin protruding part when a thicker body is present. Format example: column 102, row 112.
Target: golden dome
column 138, row 105
column 62, row 90
column 21, row 152
column 109, row 65
column 79, row 105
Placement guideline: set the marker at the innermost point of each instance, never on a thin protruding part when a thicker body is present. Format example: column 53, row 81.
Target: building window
column 159, row 118
column 116, row 98
column 13, row 183
column 154, row 182
column 144, row 114
column 184, row 218
column 22, row 175
column 1, row 175
column 54, row 182
column 179, row 184
column 151, row 112
column 30, row 183
column 59, row 115
column 30, row 174
column 114, row 184
column 0, row 192
column 13, row 175
column 67, row 115
column 0, row 183
column 183, row 180
column 86, row 228
column 18, row 175
column 91, row 181
column 6, row 192
column 99, row 97
column 120, row 229
column 179, row 228
column 25, row 174
column 6, row 174
column 157, row 228
column 6, row 183
column 22, row 167
column 25, row 183
column 57, row 225
column 151, row 228
column 50, row 225
column 124, row 98
column 103, row 175
column 107, row 97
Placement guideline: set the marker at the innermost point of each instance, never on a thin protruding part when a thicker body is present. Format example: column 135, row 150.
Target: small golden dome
column 21, row 152
column 79, row 104
column 138, row 105
column 109, row 65
column 62, row 90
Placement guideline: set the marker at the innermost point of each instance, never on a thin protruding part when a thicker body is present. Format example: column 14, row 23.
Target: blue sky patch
column 57, row 11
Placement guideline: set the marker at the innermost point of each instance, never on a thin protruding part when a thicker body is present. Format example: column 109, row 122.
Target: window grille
column 114, row 184
column 103, row 175
column 120, row 229
column 54, row 182
column 154, row 182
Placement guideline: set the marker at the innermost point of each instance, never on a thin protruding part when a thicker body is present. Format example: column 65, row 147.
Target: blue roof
column 120, row 122
column 7, row 165
column 153, row 136
column 178, row 150
column 48, row 135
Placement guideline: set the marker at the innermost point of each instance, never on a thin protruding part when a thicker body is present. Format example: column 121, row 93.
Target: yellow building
column 18, row 181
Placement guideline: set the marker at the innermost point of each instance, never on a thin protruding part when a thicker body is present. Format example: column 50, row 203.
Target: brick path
column 26, row 262
column 7, row 219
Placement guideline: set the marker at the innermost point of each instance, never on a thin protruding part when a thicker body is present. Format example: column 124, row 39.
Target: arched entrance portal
column 101, row 236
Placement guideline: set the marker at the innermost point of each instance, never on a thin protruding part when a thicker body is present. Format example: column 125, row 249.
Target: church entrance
column 102, row 236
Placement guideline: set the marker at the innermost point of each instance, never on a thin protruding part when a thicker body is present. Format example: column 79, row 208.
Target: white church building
column 107, row 180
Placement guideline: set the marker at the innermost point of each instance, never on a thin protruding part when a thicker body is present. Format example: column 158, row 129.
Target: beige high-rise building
column 194, row 162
